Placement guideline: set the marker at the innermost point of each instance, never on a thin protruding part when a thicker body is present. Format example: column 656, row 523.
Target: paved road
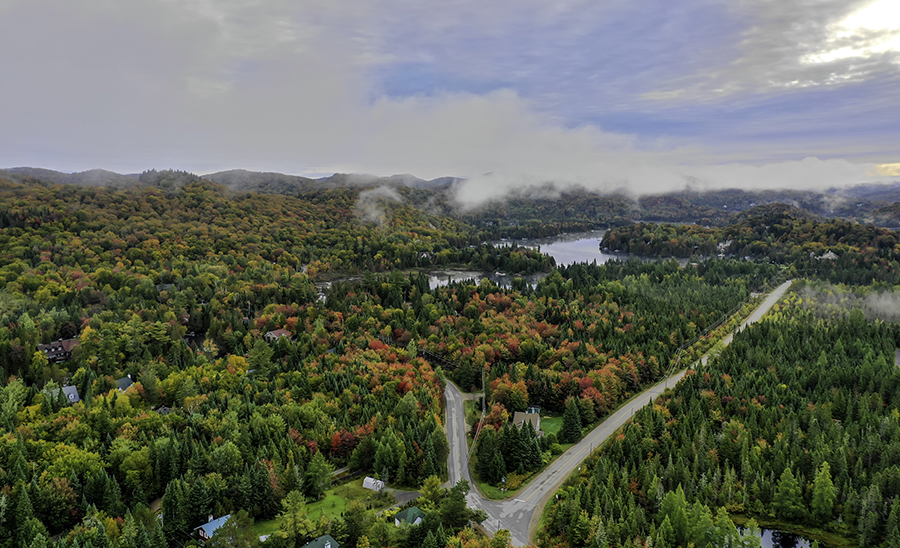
column 521, row 514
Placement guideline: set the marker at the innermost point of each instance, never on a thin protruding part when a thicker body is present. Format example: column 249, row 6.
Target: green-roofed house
column 325, row 541
column 411, row 516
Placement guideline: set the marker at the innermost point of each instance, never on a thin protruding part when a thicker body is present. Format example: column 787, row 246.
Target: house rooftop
column 211, row 526
column 277, row 334
column 124, row 383
column 71, row 393
column 325, row 541
column 409, row 515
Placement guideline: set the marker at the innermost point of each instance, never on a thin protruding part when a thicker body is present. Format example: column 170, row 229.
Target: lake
column 579, row 247
column 566, row 249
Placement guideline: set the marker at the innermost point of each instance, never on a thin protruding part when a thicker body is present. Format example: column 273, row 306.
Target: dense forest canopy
column 839, row 250
column 208, row 370
column 544, row 210
column 796, row 420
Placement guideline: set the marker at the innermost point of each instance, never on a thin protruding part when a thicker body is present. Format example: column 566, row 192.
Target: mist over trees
column 231, row 350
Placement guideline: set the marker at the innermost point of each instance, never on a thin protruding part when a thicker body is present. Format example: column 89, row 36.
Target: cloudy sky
column 619, row 93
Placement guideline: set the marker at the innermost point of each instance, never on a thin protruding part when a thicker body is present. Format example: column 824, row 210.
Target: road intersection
column 521, row 514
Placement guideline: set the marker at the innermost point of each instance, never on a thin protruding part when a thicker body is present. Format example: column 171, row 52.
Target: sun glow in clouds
column 868, row 31
column 888, row 170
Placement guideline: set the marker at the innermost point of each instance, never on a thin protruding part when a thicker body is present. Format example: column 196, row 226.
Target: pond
column 770, row 538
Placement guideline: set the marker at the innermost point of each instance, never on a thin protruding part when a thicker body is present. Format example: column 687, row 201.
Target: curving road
column 521, row 514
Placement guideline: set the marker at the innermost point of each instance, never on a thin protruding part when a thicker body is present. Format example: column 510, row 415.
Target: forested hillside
column 543, row 210
column 841, row 251
column 165, row 294
column 167, row 355
column 795, row 422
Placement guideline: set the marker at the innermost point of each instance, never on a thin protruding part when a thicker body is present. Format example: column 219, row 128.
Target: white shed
column 373, row 484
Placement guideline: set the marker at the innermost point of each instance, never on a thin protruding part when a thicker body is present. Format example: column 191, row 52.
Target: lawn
column 551, row 424
column 333, row 505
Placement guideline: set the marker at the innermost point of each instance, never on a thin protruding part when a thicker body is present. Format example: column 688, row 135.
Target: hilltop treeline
column 837, row 250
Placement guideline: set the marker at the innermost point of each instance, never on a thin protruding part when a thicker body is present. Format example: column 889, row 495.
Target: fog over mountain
column 594, row 202
column 633, row 95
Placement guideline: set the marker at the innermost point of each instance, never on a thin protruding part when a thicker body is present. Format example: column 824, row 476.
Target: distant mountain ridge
column 92, row 177
column 574, row 208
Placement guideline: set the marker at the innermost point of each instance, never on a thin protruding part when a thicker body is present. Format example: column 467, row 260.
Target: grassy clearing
column 551, row 424
column 333, row 505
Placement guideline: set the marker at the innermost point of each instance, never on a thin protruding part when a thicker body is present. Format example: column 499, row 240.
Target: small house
column 124, row 383
column 60, row 350
column 534, row 419
column 70, row 393
column 411, row 516
column 373, row 484
column 325, row 541
column 273, row 336
column 208, row 529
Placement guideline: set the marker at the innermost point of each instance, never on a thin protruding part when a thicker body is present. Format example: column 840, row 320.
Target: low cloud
column 295, row 88
column 635, row 179
column 370, row 204
column 829, row 299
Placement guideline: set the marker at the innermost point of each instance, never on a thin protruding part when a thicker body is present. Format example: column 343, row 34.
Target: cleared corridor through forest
column 521, row 514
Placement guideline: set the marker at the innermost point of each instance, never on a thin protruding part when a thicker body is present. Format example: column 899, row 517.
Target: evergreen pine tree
column 674, row 509
column 142, row 540
column 823, row 496
column 158, row 538
column 199, row 503
column 665, row 535
column 497, row 469
column 23, row 512
column 788, row 500
column 318, row 476
column 892, row 527
column 570, row 432
column 40, row 541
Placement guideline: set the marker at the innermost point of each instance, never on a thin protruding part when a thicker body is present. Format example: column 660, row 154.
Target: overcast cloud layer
column 614, row 94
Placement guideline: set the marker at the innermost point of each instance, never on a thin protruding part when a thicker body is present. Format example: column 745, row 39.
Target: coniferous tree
column 318, row 476
column 295, row 526
column 788, row 500
column 892, row 527
column 570, row 432
column 199, row 503
column 674, row 508
column 824, row 496
column 236, row 532
column 158, row 538
column 23, row 513
column 870, row 520
column 665, row 535
column 497, row 469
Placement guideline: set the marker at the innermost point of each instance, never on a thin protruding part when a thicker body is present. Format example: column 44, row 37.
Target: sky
column 641, row 95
